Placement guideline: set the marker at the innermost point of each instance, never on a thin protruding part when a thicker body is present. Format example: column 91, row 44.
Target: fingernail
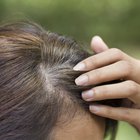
column 88, row 95
column 94, row 108
column 82, row 80
column 80, row 66
column 96, row 37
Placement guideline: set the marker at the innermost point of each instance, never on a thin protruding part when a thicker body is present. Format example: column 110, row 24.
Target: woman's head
column 39, row 99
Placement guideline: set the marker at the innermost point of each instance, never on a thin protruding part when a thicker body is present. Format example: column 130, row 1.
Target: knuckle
column 97, row 75
column 87, row 61
column 96, row 93
column 118, row 53
column 90, row 62
column 101, row 92
column 126, row 67
column 108, row 111
column 133, row 87
column 127, row 116
column 94, row 61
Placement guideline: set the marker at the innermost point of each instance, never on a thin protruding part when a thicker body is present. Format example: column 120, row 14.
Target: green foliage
column 115, row 20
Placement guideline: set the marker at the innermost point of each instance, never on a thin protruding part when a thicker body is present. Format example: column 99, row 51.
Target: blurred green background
column 116, row 21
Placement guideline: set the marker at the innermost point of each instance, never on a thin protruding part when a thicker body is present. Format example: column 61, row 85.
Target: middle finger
column 115, row 71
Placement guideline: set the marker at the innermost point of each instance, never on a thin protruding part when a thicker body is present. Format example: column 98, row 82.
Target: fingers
column 101, row 59
column 122, row 114
column 130, row 90
column 111, row 72
column 98, row 45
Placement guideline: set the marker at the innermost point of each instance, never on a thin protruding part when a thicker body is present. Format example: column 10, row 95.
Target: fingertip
column 98, row 45
column 94, row 108
column 79, row 67
column 96, row 40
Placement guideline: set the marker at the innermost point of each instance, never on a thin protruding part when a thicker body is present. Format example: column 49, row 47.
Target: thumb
column 98, row 45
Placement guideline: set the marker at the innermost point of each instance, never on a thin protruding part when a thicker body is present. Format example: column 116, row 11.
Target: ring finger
column 127, row 89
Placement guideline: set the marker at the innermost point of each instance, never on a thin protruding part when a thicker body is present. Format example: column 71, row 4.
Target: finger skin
column 98, row 45
column 127, row 89
column 103, row 59
column 122, row 114
column 111, row 72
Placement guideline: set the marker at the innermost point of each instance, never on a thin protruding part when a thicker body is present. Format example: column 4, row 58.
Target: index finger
column 99, row 60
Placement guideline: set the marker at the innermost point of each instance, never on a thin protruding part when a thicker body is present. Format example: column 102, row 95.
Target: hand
column 108, row 65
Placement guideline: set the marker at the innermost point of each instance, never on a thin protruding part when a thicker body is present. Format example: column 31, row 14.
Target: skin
column 107, row 65
column 85, row 127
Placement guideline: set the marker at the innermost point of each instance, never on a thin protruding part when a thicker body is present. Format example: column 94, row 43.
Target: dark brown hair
column 37, row 81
